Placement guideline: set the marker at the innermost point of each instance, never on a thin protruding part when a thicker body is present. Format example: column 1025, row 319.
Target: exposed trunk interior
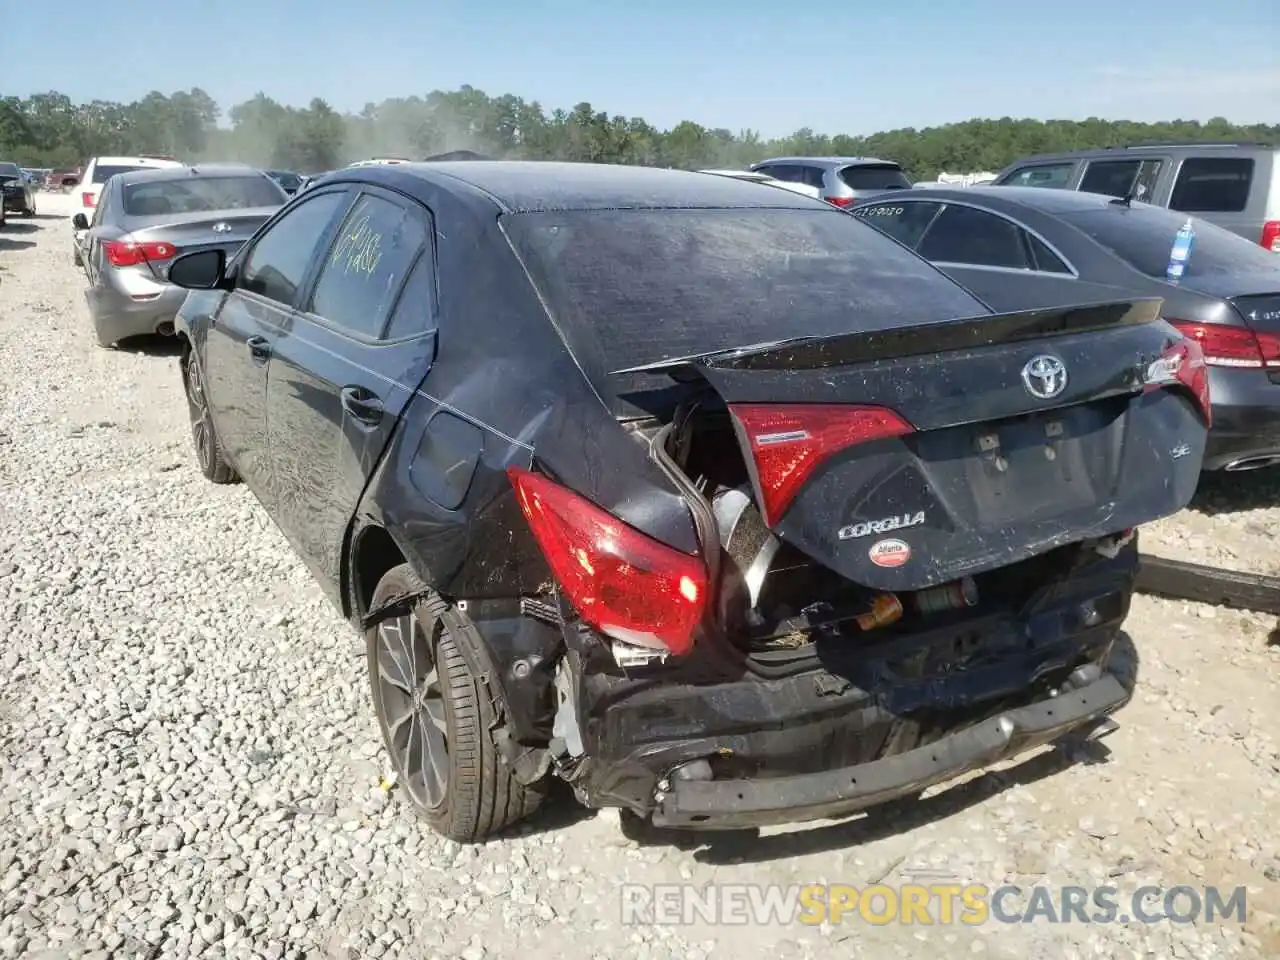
column 775, row 601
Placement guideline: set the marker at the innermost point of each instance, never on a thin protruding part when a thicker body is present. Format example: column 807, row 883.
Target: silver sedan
column 146, row 218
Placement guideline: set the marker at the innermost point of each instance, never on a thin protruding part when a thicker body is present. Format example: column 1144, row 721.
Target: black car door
column 356, row 352
column 268, row 279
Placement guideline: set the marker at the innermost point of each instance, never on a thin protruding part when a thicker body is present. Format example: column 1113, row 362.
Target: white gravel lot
column 189, row 760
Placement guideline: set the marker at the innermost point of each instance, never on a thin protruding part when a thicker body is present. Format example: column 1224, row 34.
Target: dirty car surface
column 724, row 508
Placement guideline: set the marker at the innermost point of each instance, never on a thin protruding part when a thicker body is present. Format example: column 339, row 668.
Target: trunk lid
column 987, row 473
column 209, row 231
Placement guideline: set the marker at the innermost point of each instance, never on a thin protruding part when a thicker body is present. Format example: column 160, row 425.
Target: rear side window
column 797, row 173
column 1046, row 259
column 200, row 195
column 1052, row 175
column 278, row 262
column 415, row 311
column 1116, row 178
column 102, row 174
column 875, row 176
column 1143, row 236
column 905, row 222
column 367, row 263
column 966, row 235
column 1212, row 185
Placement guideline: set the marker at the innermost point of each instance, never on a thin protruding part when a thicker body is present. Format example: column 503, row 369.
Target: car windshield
column 1143, row 236
column 632, row 287
column 200, row 194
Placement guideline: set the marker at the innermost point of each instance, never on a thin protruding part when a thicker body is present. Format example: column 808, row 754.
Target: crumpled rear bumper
column 737, row 804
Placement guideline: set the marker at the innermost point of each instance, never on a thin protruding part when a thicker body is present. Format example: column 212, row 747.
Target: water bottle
column 1181, row 252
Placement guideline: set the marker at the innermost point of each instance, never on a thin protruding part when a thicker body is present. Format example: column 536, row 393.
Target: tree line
column 51, row 130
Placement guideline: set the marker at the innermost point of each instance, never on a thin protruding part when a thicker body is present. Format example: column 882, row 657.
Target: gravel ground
column 189, row 760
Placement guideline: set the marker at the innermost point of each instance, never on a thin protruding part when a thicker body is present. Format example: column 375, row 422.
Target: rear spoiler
column 841, row 349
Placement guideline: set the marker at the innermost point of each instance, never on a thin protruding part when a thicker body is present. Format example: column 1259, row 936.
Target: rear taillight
column 88, row 199
column 789, row 441
column 121, row 253
column 1183, row 362
column 1271, row 235
column 1240, row 347
column 839, row 201
column 620, row 581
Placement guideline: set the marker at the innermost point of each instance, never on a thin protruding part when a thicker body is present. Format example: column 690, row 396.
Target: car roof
column 526, row 186
column 830, row 161
column 181, row 172
column 1141, row 148
column 1044, row 199
column 134, row 161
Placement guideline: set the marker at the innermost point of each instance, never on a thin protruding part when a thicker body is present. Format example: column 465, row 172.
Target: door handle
column 362, row 405
column 259, row 347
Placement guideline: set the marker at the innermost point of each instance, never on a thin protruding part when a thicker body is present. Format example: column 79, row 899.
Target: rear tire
column 209, row 455
column 422, row 686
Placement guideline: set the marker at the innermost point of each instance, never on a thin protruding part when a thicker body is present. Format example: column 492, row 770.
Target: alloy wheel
column 201, row 432
column 408, row 683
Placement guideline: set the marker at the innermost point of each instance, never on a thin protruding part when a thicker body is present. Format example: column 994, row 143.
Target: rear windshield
column 633, row 287
column 10, row 170
column 882, row 177
column 1143, row 236
column 200, row 194
column 102, row 174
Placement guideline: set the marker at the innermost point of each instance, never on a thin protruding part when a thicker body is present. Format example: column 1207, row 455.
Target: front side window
column 371, row 253
column 968, row 236
column 278, row 262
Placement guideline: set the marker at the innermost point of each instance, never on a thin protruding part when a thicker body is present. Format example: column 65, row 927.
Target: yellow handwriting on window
column 359, row 249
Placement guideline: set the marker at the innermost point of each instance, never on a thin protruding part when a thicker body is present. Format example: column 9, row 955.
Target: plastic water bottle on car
column 1181, row 252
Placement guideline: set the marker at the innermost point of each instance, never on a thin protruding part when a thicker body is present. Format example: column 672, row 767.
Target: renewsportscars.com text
column 925, row 904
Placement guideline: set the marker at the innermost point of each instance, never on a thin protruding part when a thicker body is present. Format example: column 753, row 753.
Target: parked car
column 95, row 174
column 840, row 181
column 616, row 466
column 1235, row 185
column 1019, row 248
column 17, row 194
column 146, row 218
column 751, row 177
column 289, row 181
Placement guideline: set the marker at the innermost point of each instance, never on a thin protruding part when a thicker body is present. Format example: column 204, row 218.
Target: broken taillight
column 620, row 581
column 1183, row 362
column 789, row 441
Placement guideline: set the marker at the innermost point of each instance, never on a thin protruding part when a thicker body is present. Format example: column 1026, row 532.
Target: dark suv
column 712, row 501
column 1235, row 185
column 842, row 180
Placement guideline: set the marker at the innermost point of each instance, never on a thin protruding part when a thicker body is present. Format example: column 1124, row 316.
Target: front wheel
column 435, row 720
column 213, row 462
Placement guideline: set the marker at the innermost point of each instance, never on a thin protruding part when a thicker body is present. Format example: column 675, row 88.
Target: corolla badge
column 1044, row 376
column 222, row 228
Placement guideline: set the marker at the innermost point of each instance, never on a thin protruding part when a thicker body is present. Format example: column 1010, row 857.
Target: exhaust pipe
column 1253, row 463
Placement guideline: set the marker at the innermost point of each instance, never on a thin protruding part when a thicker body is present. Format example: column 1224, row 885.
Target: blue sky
column 772, row 66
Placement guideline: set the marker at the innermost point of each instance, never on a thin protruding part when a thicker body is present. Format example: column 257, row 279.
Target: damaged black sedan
column 712, row 501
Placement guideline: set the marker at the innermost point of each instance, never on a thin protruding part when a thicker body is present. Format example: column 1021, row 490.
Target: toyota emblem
column 1044, row 376
column 222, row 228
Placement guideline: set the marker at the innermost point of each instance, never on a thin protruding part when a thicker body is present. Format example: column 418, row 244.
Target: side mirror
column 80, row 222
column 201, row 270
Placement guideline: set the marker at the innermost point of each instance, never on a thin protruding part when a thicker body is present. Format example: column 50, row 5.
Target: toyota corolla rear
column 915, row 519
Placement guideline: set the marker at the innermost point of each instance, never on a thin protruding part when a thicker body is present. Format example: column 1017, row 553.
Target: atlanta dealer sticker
column 889, row 553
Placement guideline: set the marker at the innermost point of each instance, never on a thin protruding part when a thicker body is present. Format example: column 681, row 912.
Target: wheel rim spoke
column 408, row 684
